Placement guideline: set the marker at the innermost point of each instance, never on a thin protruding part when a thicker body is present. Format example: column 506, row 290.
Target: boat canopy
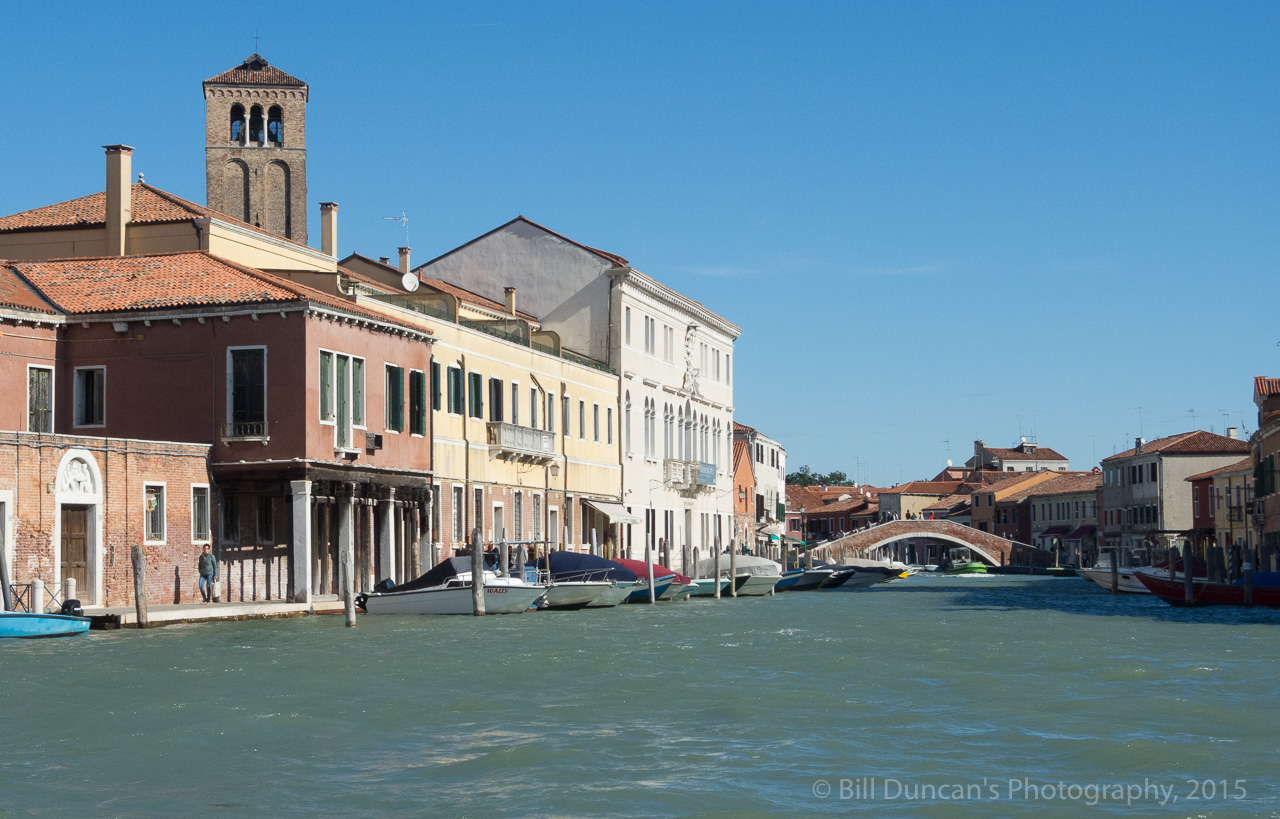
column 440, row 573
column 568, row 566
column 642, row 570
column 746, row 564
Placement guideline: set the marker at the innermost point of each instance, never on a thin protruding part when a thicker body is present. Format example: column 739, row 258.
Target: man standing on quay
column 208, row 566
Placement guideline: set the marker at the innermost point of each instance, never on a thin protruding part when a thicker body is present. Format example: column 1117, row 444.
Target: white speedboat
column 575, row 594
column 613, row 595
column 446, row 589
column 755, row 576
column 1126, row 581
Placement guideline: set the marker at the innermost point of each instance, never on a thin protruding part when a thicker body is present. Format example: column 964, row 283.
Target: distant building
column 1266, row 456
column 816, row 513
column 999, row 509
column 1147, row 500
column 1063, row 515
column 1026, row 456
column 1230, row 501
column 769, row 466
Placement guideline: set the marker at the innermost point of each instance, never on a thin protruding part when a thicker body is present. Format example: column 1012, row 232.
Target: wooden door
column 75, row 546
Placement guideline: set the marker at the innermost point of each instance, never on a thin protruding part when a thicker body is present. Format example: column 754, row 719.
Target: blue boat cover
column 567, row 566
column 440, row 574
column 1267, row 579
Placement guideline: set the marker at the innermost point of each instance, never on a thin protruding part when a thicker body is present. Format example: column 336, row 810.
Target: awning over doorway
column 794, row 540
column 1053, row 531
column 1081, row 532
column 616, row 512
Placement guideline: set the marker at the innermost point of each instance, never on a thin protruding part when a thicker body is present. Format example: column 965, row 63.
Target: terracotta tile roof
column 939, row 488
column 1266, row 386
column 1040, row 453
column 802, row 498
column 1242, row 465
column 149, row 204
column 255, row 70
column 167, row 281
column 949, row 502
column 739, row 452
column 14, row 292
column 1198, row 442
column 741, row 427
column 1068, row 482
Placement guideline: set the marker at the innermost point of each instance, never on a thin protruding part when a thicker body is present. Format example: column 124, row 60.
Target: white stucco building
column 675, row 359
column 769, row 464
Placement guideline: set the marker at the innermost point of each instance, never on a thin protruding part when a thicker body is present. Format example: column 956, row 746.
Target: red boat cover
column 642, row 570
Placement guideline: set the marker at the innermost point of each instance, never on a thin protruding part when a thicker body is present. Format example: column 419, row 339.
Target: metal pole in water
column 140, row 584
column 477, row 574
column 1248, row 580
column 1115, row 571
column 4, row 583
column 504, row 554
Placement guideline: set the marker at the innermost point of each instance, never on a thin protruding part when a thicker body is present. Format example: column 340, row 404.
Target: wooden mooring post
column 1247, row 576
column 716, row 568
column 1115, row 571
column 477, row 574
column 1188, row 583
column 733, row 568
column 6, row 595
column 648, row 564
column 140, row 584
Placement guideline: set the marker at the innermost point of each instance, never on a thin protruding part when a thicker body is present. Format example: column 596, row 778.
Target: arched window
column 237, row 124
column 275, row 125
column 680, row 442
column 255, row 124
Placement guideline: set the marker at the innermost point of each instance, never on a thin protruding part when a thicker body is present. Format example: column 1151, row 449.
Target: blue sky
column 934, row 222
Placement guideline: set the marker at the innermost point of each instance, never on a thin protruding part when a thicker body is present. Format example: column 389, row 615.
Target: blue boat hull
column 22, row 624
column 641, row 595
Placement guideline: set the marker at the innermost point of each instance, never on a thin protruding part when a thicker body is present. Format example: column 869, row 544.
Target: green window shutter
column 417, row 403
column 435, row 385
column 357, row 391
column 326, row 386
column 395, row 398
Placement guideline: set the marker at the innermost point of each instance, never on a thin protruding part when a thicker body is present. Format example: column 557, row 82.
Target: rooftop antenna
column 404, row 223
column 947, row 441
column 1192, row 413
column 1139, row 409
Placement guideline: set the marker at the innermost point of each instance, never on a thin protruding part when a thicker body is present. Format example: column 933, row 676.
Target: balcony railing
column 1235, row 514
column 512, row 442
column 246, row 431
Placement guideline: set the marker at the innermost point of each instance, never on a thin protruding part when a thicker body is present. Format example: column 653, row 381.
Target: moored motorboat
column 581, row 580
column 640, row 591
column 1264, row 589
column 673, row 591
column 1126, row 581
column 31, row 624
column 850, row 577
column 574, row 594
column 446, row 589
column 706, row 586
column 612, row 596
column 755, row 576
column 788, row 580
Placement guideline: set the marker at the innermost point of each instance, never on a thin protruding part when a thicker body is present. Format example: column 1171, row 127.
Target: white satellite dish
column 409, row 282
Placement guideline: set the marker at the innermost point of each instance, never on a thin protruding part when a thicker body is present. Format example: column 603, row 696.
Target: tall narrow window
column 357, row 392
column 458, row 516
column 626, row 325
column 255, row 124
column 435, row 385
column 533, row 407
column 247, row 398
column 565, row 416
column 417, row 402
column 551, row 412
column 608, row 425
column 456, row 400
column 537, row 518
column 153, row 512
column 517, row 520
column 515, row 403
column 582, row 421
column 478, row 509
column 229, row 529
column 342, row 404
column 200, row 514
column 326, row 385
column 475, row 392
column 395, row 398
column 237, row 124
column 495, row 399
column 595, row 422
column 90, row 396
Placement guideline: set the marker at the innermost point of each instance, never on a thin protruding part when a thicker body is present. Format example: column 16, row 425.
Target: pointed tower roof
column 255, row 70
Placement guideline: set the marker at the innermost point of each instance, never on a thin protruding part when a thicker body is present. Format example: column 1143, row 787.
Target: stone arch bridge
column 986, row 547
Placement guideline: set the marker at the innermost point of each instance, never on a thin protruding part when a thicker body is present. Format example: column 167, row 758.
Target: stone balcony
column 516, row 443
column 689, row 477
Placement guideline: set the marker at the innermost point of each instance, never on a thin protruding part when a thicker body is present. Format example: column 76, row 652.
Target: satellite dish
column 409, row 282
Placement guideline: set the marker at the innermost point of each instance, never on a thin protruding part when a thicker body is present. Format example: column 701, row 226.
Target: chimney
column 329, row 229
column 385, row 260
column 1233, row 433
column 1137, row 445
column 119, row 196
column 404, row 259
column 511, row 299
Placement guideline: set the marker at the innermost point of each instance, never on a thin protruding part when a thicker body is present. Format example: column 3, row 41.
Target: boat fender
column 72, row 608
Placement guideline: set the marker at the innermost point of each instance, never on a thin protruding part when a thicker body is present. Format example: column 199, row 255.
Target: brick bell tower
column 256, row 147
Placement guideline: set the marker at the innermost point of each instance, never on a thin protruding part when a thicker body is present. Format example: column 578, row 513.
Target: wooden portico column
column 387, row 537
column 300, row 553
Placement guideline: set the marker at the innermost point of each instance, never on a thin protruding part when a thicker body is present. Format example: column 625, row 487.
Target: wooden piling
column 1247, row 575
column 140, row 585
column 648, row 563
column 1188, row 584
column 477, row 574
column 6, row 596
column 716, row 568
column 1115, row 571
column 504, row 555
column 733, row 568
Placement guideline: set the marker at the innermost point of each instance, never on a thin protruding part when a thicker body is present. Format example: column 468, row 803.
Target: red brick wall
column 29, row 466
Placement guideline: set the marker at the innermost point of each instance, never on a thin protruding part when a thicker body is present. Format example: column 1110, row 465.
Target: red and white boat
column 1265, row 591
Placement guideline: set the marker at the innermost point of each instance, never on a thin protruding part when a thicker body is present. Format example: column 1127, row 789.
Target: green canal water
column 929, row 696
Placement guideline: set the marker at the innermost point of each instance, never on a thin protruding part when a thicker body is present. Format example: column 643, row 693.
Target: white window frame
column 498, row 522
column 515, row 403
column 334, row 355
column 458, row 516
column 53, row 397
column 582, row 420
column 595, row 423
column 208, row 511
column 76, row 421
column 164, row 512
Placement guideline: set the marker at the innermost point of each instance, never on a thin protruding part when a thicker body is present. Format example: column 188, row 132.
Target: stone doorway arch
column 78, row 502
